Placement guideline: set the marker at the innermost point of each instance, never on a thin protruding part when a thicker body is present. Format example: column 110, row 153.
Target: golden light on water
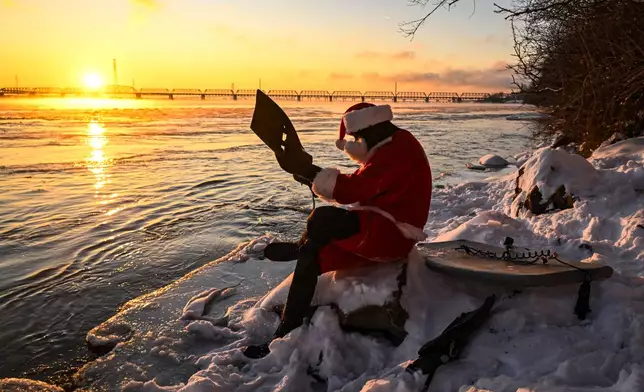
column 97, row 162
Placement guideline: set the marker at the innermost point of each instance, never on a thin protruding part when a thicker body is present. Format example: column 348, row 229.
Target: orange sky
column 289, row 44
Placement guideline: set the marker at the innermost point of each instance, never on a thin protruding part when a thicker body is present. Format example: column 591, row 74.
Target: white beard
column 357, row 151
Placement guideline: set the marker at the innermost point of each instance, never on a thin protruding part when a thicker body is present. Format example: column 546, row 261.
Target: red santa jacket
column 391, row 192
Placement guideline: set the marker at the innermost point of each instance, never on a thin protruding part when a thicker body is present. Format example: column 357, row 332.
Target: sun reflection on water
column 97, row 161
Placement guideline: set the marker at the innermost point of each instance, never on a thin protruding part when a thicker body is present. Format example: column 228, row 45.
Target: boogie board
column 451, row 258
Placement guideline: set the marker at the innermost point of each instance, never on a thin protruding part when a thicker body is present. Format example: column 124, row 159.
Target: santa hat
column 362, row 116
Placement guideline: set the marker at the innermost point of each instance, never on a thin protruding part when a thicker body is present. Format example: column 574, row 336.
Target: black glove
column 299, row 164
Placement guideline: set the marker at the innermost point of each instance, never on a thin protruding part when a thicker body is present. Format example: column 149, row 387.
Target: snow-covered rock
column 551, row 178
column 356, row 295
column 492, row 160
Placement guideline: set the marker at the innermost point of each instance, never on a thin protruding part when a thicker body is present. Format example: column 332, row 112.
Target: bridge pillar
column 137, row 95
column 427, row 99
column 171, row 96
column 234, row 97
column 395, row 99
column 299, row 98
column 203, row 97
column 330, row 98
column 362, row 98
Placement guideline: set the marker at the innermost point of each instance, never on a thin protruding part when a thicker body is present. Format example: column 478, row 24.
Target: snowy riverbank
column 187, row 336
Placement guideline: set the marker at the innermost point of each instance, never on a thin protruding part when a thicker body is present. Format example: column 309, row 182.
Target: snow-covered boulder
column 551, row 179
column 492, row 160
column 23, row 385
column 365, row 300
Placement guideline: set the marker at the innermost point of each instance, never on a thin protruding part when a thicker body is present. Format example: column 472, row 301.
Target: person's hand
column 300, row 165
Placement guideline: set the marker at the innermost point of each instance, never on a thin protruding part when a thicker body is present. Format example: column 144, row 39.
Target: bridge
column 291, row 95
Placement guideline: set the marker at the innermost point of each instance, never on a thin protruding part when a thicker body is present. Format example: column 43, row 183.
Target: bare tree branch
column 582, row 61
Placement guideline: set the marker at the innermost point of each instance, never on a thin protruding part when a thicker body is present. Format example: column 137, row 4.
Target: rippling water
column 104, row 200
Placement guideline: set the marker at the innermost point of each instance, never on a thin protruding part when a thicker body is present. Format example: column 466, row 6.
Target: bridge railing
column 284, row 94
column 154, row 91
column 247, row 93
column 339, row 95
column 347, row 96
column 474, row 96
column 413, row 96
column 186, row 91
column 315, row 94
column 219, row 92
column 444, row 96
column 379, row 95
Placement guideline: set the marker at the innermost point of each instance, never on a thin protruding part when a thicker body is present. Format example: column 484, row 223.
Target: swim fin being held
column 275, row 129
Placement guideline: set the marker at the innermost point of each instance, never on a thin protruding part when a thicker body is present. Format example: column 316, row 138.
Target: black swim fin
column 448, row 345
column 274, row 127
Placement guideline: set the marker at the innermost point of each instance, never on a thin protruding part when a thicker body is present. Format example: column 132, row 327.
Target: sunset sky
column 289, row 44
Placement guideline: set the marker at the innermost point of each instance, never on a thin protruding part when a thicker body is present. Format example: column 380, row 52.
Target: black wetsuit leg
column 324, row 225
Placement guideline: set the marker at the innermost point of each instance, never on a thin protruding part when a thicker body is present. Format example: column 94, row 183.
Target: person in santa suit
column 387, row 203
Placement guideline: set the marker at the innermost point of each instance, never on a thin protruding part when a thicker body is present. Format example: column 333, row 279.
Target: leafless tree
column 582, row 61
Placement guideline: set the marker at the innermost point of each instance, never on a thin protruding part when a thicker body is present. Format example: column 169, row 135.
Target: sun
column 93, row 81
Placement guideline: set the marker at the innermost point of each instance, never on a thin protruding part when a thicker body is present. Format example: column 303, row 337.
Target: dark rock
column 381, row 321
column 386, row 321
column 517, row 189
column 561, row 141
column 534, row 202
column 560, row 200
column 586, row 246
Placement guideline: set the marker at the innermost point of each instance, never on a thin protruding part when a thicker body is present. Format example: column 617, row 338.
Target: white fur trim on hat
column 364, row 118
column 324, row 183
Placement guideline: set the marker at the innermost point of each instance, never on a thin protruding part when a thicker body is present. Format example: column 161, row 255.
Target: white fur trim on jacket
column 360, row 119
column 324, row 183
column 408, row 231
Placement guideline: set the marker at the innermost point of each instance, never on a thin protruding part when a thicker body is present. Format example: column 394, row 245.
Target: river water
column 104, row 200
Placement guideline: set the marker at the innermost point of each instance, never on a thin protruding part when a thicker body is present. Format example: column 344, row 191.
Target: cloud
column 493, row 78
column 403, row 55
column 340, row 76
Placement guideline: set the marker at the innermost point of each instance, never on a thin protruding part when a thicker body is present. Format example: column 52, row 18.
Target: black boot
column 282, row 251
